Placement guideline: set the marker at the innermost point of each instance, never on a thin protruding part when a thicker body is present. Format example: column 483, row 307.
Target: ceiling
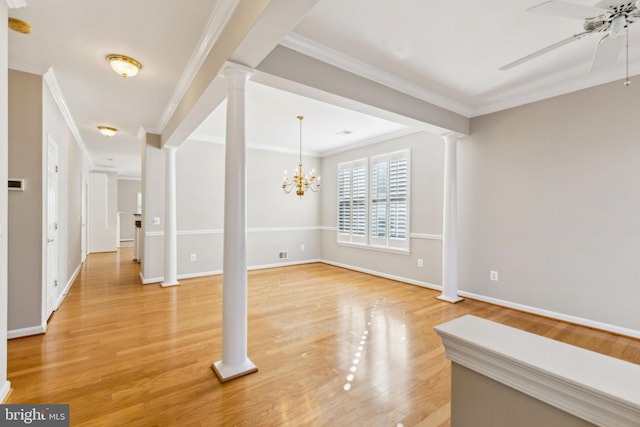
column 446, row 52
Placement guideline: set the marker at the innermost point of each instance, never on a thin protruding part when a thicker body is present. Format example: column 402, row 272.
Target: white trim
column 599, row 389
column 207, row 139
column 16, row 4
column 67, row 287
column 426, row 236
column 4, row 391
column 554, row 315
column 218, row 272
column 25, row 332
column 281, row 229
column 315, row 50
column 249, row 230
column 374, row 247
column 385, row 275
column 218, row 19
column 283, row 264
column 52, row 83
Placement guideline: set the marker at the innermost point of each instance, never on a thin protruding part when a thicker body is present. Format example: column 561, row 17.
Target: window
column 373, row 209
column 352, row 202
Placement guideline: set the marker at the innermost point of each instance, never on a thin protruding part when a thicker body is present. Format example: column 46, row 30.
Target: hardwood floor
column 334, row 347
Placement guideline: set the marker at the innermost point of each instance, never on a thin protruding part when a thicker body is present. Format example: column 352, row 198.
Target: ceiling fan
column 610, row 17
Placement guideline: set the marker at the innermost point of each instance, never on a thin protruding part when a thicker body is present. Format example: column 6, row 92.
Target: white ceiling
column 443, row 51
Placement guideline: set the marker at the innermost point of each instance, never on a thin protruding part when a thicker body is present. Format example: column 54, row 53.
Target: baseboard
column 5, row 390
column 385, row 275
column 67, row 287
column 554, row 315
column 508, row 304
column 216, row 272
column 283, row 264
column 25, row 332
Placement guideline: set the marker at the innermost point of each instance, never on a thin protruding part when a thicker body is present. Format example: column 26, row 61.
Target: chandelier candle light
column 301, row 182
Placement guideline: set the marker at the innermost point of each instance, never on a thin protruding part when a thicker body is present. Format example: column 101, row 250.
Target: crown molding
column 52, row 83
column 16, row 4
column 217, row 21
column 511, row 100
column 320, row 52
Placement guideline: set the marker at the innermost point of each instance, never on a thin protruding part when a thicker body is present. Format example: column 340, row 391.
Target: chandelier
column 301, row 182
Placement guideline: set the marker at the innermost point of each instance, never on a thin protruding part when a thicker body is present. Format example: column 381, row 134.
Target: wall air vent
column 16, row 184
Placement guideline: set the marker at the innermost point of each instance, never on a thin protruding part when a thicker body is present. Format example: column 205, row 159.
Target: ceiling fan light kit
column 611, row 17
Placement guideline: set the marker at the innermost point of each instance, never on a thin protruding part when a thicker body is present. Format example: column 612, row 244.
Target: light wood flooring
column 334, row 347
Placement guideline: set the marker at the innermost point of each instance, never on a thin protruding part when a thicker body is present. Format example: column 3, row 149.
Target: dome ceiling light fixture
column 124, row 65
column 107, row 130
column 19, row 26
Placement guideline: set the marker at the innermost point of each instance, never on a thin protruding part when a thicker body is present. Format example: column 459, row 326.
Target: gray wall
column 276, row 221
column 426, row 188
column 4, row 384
column 479, row 401
column 34, row 117
column 128, row 190
column 549, row 197
column 25, row 207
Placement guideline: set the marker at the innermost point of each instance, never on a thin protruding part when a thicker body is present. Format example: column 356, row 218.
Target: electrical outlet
column 156, row 220
column 302, row 247
column 493, row 275
column 420, row 262
column 193, row 257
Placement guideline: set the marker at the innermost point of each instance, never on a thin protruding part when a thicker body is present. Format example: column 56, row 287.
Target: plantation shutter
column 390, row 201
column 352, row 202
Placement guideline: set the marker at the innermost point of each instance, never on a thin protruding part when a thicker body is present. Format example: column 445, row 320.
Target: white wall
column 549, row 197
column 72, row 166
column 102, row 211
column 5, row 386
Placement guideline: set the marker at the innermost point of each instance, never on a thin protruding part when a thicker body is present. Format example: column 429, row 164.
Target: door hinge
column 56, row 168
column 55, row 226
column 55, row 283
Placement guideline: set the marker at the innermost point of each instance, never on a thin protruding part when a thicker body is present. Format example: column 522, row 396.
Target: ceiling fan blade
column 607, row 52
column 569, row 10
column 545, row 50
column 610, row 4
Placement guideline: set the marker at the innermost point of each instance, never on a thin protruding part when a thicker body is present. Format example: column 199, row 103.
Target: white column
column 170, row 227
column 450, row 222
column 235, row 362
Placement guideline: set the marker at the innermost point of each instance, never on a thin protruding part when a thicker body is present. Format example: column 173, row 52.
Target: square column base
column 169, row 284
column 227, row 373
column 449, row 299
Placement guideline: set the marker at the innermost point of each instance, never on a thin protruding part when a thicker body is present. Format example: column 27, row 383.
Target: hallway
column 333, row 347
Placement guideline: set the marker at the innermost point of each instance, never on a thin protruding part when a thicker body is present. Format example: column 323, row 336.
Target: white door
column 52, row 228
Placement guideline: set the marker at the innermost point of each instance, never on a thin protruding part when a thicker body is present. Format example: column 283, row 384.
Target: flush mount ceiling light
column 107, row 130
column 19, row 26
column 123, row 65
